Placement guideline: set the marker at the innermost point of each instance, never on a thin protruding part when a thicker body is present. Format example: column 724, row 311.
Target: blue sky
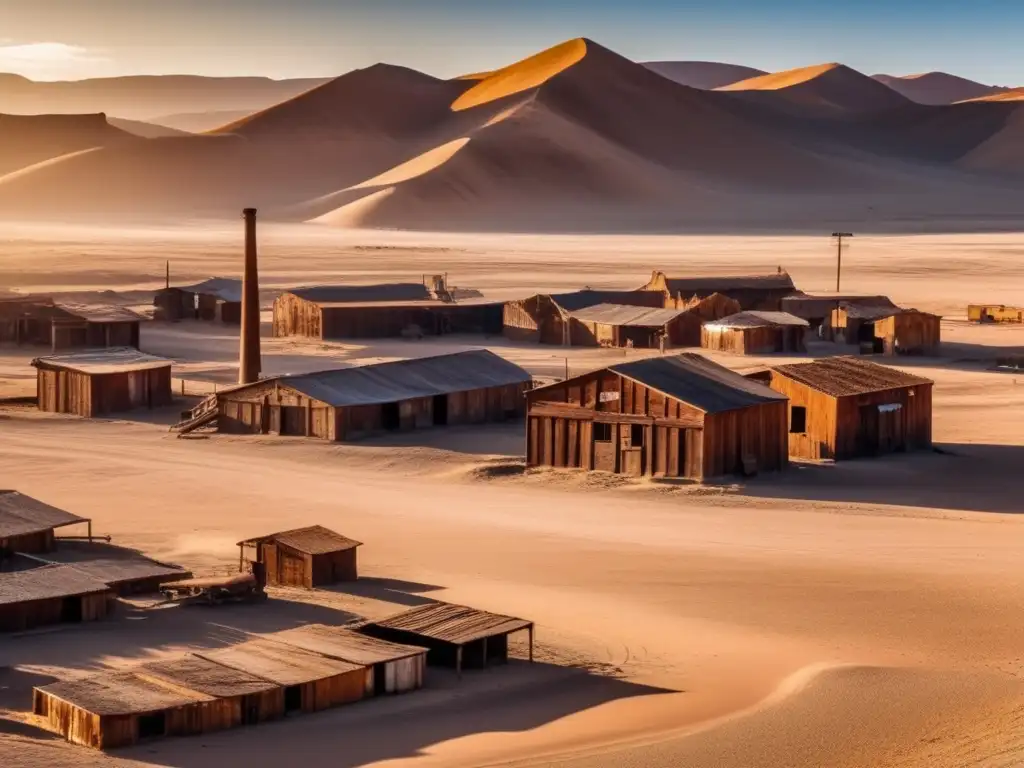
column 69, row 39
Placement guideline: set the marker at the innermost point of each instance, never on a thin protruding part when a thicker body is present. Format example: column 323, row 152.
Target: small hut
column 390, row 667
column 817, row 310
column 100, row 382
column 546, row 318
column 623, row 325
column 755, row 333
column 311, row 681
column 457, row 636
column 217, row 299
column 51, row 594
column 887, row 331
column 28, row 525
column 760, row 292
column 847, row 407
column 304, row 557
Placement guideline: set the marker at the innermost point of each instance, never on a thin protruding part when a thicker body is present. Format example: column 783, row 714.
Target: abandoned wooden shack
column 28, row 525
column 99, row 382
column 304, row 557
column 817, row 310
column 471, row 387
column 887, row 331
column 679, row 416
column 756, row 333
column 456, row 636
column 217, row 299
column 390, row 667
column 752, row 292
column 546, row 317
column 61, row 325
column 846, row 407
column 623, row 325
column 51, row 594
column 118, row 709
column 994, row 313
column 311, row 681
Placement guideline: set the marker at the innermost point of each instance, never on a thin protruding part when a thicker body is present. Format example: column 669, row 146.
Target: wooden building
column 61, row 325
column 817, row 310
column 994, row 313
column 457, row 636
column 759, row 292
column 125, row 571
column 51, row 594
column 118, row 709
column 473, row 387
column 546, row 318
column 887, row 331
column 845, row 407
column 755, row 333
column 217, row 299
column 304, row 557
column 390, row 667
column 28, row 525
column 100, row 382
column 311, row 681
column 680, row 416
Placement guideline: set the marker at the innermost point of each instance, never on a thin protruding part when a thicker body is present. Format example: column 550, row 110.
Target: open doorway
column 390, row 418
column 152, row 726
column 440, row 410
column 380, row 679
column 71, row 610
column 293, row 698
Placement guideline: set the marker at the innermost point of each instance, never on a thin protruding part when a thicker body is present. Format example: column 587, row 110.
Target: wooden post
column 458, row 661
column 531, row 643
column 167, row 274
column 485, row 651
column 241, row 557
column 90, row 531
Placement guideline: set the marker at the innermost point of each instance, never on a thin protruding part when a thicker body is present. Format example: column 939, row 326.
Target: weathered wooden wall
column 332, row 567
column 81, row 394
column 404, row 675
column 334, row 691
column 32, row 543
column 763, row 340
column 748, row 440
column 18, row 617
column 294, row 316
column 909, row 333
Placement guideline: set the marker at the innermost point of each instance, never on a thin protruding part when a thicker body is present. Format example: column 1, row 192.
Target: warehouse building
column 887, row 330
column 757, row 292
column 304, row 557
column 51, row 594
column 217, row 299
column 756, row 333
column 546, row 318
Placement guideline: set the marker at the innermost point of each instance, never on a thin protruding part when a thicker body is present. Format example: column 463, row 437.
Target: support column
column 458, row 661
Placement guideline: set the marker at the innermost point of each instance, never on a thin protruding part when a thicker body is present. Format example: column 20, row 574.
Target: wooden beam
column 458, row 661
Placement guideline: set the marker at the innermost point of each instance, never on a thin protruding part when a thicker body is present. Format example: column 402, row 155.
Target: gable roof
column 758, row 319
column 574, row 301
column 279, row 663
column 844, row 376
column 99, row 361
column 451, row 623
column 626, row 315
column 121, row 693
column 345, row 294
column 342, row 643
column 808, row 306
column 223, row 288
column 48, row 582
column 22, row 515
column 313, row 540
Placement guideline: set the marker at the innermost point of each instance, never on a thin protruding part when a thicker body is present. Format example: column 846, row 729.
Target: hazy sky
column 71, row 39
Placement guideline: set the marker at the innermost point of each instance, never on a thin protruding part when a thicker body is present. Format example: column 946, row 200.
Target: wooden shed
column 994, row 313
column 28, row 525
column 756, row 333
column 51, row 594
column 623, row 325
column 457, row 636
column 118, row 709
column 761, row 292
column 887, row 331
column 390, row 667
column 679, row 416
column 546, row 317
column 100, row 382
column 846, row 407
column 311, row 681
column 473, row 387
column 217, row 299
column 817, row 310
column 304, row 557
column 62, row 325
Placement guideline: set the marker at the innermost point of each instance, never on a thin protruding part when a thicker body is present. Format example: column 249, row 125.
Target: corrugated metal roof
column 204, row 676
column 344, row 644
column 98, row 361
column 313, row 540
column 870, row 312
column 625, row 315
column 724, row 283
column 406, row 379
column 48, row 582
column 223, row 288
column 121, row 693
column 345, row 294
column 99, row 313
column 758, row 319
column 696, row 380
column 21, row 515
column 450, row 623
column 844, row 376
column 577, row 300
column 807, row 306
column 280, row 663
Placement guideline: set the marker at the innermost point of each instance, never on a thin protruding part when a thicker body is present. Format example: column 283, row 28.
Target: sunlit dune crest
column 773, row 81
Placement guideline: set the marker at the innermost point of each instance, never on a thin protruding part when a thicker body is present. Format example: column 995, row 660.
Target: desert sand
column 937, row 88
column 863, row 614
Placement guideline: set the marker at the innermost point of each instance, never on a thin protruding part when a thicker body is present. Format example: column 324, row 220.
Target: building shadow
column 403, row 593
column 492, row 439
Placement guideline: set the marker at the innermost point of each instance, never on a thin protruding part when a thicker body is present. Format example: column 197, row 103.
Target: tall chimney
column 249, row 351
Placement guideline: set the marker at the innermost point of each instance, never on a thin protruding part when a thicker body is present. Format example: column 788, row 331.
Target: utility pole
column 839, row 254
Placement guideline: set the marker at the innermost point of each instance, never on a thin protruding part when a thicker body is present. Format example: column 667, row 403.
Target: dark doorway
column 380, row 679
column 250, row 710
column 683, row 469
column 440, row 410
column 71, row 609
column 293, row 698
column 389, row 416
column 867, row 431
column 293, row 420
column 152, row 726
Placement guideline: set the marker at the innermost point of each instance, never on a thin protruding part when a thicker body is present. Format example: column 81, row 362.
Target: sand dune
column 26, row 140
column 938, row 87
column 1009, row 94
column 200, row 122
column 706, row 75
column 144, row 129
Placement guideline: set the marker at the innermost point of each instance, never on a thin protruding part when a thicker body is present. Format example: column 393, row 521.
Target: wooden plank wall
column 915, row 414
column 332, row 567
column 335, row 691
column 32, row 543
column 294, row 316
column 909, row 333
column 758, row 431
column 818, row 441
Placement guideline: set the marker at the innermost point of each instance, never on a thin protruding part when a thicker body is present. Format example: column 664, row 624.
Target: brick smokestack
column 249, row 350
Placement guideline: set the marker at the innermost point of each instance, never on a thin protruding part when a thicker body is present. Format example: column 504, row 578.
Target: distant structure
column 677, row 416
column 249, row 363
column 304, row 557
column 817, row 310
column 546, row 318
column 886, row 330
column 63, row 325
column 51, row 594
column 760, row 292
column 218, row 299
column 756, row 333
column 847, row 407
column 100, row 382
column 994, row 313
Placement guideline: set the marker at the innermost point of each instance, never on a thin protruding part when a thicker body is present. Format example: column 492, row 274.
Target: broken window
column 603, row 433
column 798, row 419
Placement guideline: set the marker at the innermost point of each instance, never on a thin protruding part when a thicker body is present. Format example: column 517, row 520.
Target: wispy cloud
column 50, row 61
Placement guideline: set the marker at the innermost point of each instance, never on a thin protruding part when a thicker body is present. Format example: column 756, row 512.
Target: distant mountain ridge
column 937, row 88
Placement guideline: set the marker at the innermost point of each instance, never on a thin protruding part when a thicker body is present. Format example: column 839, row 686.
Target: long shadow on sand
column 401, row 593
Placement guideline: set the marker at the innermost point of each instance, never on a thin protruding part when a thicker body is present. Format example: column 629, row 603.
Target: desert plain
column 866, row 613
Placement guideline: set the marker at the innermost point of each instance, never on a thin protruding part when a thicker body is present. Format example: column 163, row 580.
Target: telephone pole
column 839, row 254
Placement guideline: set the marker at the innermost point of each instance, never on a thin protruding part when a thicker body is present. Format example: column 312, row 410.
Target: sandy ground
column 865, row 614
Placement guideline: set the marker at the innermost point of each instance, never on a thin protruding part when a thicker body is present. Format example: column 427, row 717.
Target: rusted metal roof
column 204, row 676
column 22, row 515
column 121, row 693
column 456, row 624
column 99, row 361
column 626, row 315
column 99, row 313
column 223, row 288
column 869, row 312
column 844, row 376
column 577, row 300
column 48, row 582
column 758, row 319
column 280, row 663
column 344, row 644
column 348, row 294
column 313, row 540
column 807, row 306
column 724, row 283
